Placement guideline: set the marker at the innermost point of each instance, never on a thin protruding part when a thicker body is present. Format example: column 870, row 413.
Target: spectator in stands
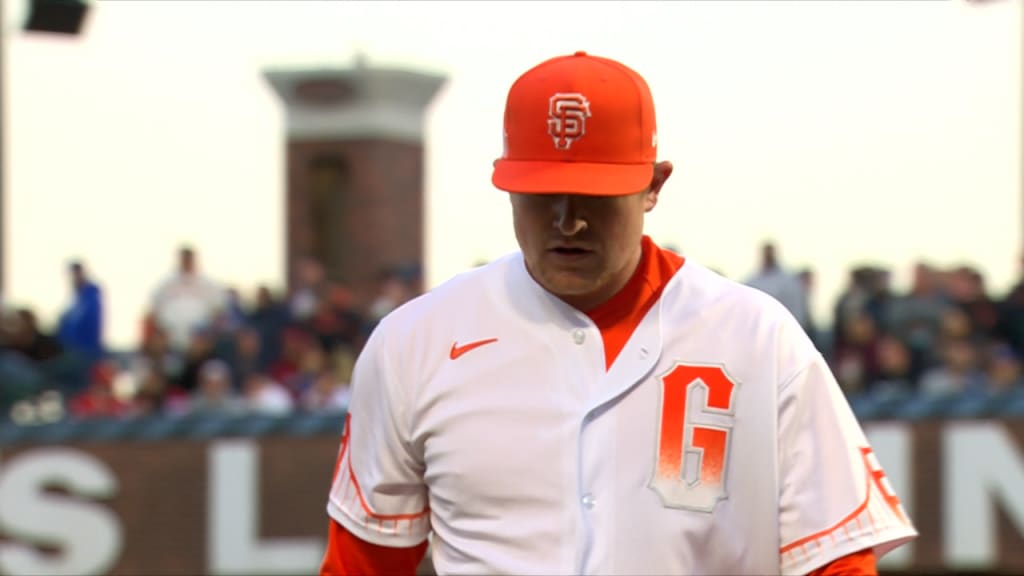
column 26, row 337
column 335, row 322
column 852, row 302
column 265, row 396
column 228, row 320
column 233, row 316
column 879, row 297
column 956, row 325
column 1011, row 314
column 157, row 356
column 328, row 393
column 201, row 350
column 214, row 393
column 269, row 317
column 916, row 317
column 99, row 400
column 959, row 372
column 294, row 342
column 343, row 361
column 247, row 356
column 786, row 287
column 80, row 328
column 967, row 290
column 1004, row 369
column 895, row 369
column 393, row 291
column 330, row 390
column 1011, row 318
column 856, row 361
column 806, row 277
column 187, row 301
column 20, row 376
column 308, row 289
column 312, row 362
column 79, row 332
column 151, row 394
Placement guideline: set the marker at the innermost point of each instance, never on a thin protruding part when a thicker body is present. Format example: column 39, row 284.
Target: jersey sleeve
column 834, row 497
column 378, row 493
column 347, row 555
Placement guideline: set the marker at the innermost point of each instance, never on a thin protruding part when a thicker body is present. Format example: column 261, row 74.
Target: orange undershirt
column 617, row 319
column 347, row 555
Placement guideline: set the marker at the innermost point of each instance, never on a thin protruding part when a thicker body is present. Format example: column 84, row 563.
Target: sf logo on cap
column 567, row 118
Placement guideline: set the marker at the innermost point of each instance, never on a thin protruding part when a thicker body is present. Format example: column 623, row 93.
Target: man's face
column 583, row 249
column 77, row 277
column 187, row 261
column 769, row 259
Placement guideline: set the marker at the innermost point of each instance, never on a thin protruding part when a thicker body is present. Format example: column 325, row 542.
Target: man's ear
column 662, row 171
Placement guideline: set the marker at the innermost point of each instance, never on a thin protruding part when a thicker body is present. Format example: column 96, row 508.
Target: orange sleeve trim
column 873, row 476
column 348, row 555
column 838, row 525
column 380, row 517
column 344, row 447
column 370, row 513
column 861, row 563
column 359, row 491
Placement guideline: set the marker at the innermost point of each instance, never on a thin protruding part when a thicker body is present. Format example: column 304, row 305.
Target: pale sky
column 847, row 131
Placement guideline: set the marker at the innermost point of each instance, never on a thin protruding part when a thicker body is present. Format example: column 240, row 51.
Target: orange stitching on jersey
column 341, row 451
column 370, row 513
column 855, row 515
column 873, row 476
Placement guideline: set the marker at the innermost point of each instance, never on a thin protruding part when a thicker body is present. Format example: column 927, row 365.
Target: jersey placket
column 586, row 368
column 599, row 433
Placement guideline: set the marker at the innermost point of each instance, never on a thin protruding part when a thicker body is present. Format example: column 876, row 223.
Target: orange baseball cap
column 578, row 124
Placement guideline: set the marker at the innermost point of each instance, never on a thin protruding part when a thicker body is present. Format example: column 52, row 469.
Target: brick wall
column 368, row 208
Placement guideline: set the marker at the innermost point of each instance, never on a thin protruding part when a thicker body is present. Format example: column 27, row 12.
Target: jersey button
column 588, row 501
column 578, row 336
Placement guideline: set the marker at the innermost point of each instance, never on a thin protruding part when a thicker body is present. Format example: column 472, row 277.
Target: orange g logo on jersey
column 694, row 428
column 567, row 118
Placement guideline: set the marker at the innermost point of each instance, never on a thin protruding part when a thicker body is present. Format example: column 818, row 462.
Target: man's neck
column 587, row 302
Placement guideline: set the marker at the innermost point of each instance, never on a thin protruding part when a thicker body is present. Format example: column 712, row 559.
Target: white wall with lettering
column 86, row 533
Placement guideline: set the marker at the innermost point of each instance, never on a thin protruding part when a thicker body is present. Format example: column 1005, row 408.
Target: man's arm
column 835, row 501
column 347, row 555
column 857, row 564
column 378, row 502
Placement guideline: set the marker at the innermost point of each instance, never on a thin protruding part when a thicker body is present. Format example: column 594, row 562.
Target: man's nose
column 568, row 219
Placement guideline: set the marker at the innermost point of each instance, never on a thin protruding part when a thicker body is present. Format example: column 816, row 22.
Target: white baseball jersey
column 718, row 441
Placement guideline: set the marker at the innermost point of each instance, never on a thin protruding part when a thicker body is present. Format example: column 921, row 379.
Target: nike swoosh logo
column 460, row 350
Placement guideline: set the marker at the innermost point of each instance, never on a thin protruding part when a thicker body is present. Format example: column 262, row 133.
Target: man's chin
column 568, row 285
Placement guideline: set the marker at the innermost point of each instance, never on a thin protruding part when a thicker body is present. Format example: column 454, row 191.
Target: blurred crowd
column 946, row 335
column 205, row 348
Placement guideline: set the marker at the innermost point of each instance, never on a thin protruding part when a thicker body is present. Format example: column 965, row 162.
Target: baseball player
column 595, row 404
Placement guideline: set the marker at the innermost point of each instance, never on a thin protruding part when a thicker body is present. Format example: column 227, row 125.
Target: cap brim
column 571, row 177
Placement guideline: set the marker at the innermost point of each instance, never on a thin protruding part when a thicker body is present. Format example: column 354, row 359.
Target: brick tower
column 354, row 184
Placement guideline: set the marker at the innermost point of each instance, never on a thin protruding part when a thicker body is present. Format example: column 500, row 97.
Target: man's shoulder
column 745, row 323
column 172, row 280
column 705, row 283
column 456, row 296
column 700, row 290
